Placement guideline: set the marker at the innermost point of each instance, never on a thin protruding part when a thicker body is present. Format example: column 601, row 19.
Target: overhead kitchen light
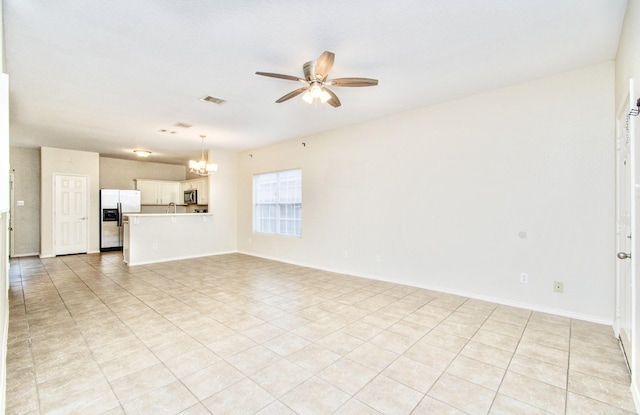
column 142, row 153
column 202, row 167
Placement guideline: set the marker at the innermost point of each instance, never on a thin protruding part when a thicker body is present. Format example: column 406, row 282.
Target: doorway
column 70, row 214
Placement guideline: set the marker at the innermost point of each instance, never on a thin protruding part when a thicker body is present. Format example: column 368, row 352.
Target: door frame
column 54, row 201
column 625, row 127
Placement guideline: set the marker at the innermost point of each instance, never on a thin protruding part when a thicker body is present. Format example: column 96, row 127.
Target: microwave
column 191, row 197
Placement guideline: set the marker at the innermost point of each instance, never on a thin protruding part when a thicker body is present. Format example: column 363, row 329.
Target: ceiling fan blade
column 333, row 101
column 324, row 65
column 352, row 82
column 292, row 94
column 281, row 76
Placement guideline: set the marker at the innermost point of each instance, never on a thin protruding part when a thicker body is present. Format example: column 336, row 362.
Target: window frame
column 268, row 218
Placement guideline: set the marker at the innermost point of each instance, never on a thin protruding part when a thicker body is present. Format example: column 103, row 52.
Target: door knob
column 623, row 255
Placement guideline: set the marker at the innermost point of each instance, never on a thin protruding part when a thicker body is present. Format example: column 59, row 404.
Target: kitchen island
column 159, row 237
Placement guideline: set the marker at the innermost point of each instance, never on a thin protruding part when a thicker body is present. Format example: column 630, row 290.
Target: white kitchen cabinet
column 201, row 185
column 159, row 192
column 189, row 184
column 148, row 192
column 170, row 192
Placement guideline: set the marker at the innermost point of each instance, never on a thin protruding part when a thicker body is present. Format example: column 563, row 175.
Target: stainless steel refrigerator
column 113, row 204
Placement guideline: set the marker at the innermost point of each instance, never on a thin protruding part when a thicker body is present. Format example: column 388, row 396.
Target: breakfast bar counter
column 159, row 237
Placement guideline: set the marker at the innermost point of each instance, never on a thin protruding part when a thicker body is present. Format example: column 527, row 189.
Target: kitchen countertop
column 168, row 214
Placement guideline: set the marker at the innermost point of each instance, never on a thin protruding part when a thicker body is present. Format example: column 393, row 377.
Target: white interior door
column 12, row 242
column 70, row 215
column 626, row 262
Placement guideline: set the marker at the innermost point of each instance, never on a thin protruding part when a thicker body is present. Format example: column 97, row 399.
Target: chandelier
column 202, row 167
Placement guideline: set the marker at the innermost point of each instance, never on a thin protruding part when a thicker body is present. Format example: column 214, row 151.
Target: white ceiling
column 105, row 76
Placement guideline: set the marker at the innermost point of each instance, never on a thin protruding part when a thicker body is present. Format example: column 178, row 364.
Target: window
column 277, row 203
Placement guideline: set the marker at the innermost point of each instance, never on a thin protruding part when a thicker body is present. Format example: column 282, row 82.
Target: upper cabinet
column 159, row 192
column 201, row 185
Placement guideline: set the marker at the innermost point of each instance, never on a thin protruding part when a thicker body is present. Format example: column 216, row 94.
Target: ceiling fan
column 315, row 81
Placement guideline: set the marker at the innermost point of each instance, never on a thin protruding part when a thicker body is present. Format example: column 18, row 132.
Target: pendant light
column 202, row 167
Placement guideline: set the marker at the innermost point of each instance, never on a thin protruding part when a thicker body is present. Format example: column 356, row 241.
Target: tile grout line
column 510, row 360
column 452, row 360
column 394, row 305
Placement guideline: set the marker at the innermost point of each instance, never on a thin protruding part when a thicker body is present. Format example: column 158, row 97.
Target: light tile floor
column 234, row 334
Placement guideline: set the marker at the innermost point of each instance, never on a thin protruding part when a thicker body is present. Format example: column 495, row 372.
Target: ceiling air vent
column 213, row 100
column 182, row 124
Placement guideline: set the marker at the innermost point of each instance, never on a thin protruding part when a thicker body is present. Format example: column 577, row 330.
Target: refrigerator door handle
column 119, row 214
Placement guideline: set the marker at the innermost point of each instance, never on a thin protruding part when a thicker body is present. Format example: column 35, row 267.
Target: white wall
column 223, row 202
column 59, row 161
column 445, row 195
column 120, row 174
column 4, row 145
column 628, row 56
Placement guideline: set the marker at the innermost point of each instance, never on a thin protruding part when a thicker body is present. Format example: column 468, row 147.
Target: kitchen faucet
column 174, row 207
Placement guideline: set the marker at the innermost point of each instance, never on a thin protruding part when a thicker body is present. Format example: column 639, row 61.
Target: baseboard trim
column 157, row 261
column 45, row 256
column 497, row 300
column 25, row 255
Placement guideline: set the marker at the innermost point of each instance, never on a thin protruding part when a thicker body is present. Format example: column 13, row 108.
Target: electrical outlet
column 378, row 258
column 524, row 278
column 558, row 286
column 345, row 254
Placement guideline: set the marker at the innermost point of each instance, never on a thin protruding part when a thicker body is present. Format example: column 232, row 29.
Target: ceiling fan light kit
column 315, row 79
column 324, row 96
column 316, row 92
column 307, row 98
